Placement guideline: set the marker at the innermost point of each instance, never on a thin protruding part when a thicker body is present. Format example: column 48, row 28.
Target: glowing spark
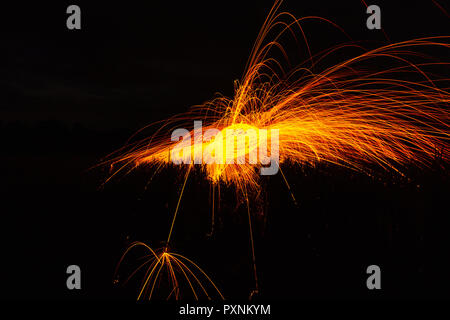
column 177, row 267
column 346, row 115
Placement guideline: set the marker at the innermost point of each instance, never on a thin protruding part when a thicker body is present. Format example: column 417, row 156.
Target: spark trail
column 384, row 108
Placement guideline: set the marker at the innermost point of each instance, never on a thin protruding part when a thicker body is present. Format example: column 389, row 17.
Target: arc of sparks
column 347, row 115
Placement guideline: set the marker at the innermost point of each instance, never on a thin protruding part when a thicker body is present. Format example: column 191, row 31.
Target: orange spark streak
column 342, row 116
column 172, row 263
column 351, row 114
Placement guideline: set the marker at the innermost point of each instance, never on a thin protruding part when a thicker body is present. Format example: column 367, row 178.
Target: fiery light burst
column 161, row 261
column 356, row 113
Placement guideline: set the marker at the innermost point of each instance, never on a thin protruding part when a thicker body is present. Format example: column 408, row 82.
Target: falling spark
column 351, row 114
column 160, row 261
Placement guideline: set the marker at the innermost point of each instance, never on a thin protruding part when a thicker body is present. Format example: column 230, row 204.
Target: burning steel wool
column 356, row 114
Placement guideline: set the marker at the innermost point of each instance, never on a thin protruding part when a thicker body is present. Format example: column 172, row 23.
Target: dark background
column 71, row 97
